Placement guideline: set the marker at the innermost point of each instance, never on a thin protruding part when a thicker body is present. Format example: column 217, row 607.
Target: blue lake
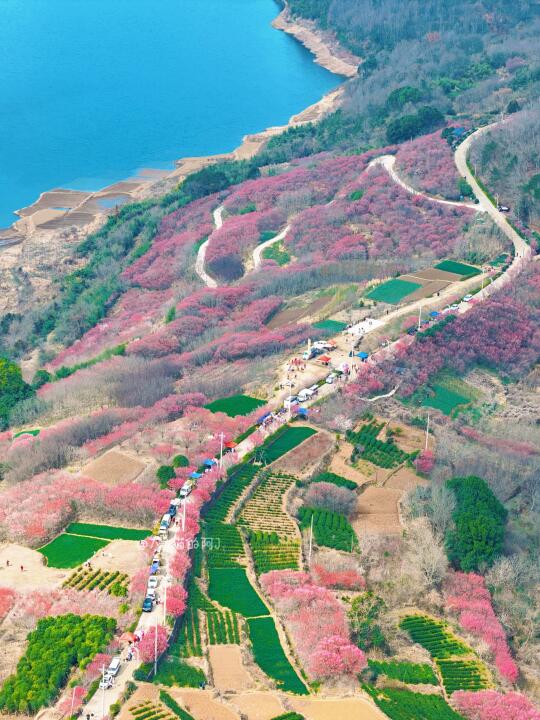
column 94, row 90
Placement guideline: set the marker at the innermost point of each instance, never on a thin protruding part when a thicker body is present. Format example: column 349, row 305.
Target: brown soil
column 294, row 314
column 404, row 479
column 124, row 555
column 303, row 460
column 201, row 705
column 114, row 467
column 356, row 708
column 427, row 290
column 340, row 465
column 228, row 671
column 35, row 574
column 258, row 705
column 410, row 438
column 145, row 691
column 434, row 274
column 378, row 511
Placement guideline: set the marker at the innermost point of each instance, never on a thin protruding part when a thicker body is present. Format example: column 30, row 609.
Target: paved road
column 201, row 254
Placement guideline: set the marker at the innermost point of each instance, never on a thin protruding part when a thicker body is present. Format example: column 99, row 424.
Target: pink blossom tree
column 147, row 645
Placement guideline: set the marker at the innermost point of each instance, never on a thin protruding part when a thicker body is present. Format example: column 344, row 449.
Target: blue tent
column 195, row 475
column 209, row 463
column 363, row 355
column 302, row 411
column 263, row 418
column 434, row 313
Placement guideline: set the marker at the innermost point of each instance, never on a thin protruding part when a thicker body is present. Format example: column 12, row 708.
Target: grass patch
column 34, row 433
column 451, row 266
column 173, row 671
column 107, row 532
column 444, row 399
column 231, row 588
column 235, row 405
column 334, row 326
column 270, row 657
column 393, row 291
column 68, row 551
column 277, row 253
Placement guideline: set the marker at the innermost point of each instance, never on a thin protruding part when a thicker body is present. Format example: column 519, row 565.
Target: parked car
column 187, row 487
column 153, row 582
column 106, row 682
column 151, row 593
column 172, row 511
column 304, row 394
column 467, row 298
column 148, row 604
column 455, row 306
column 154, row 567
column 290, row 400
column 114, row 666
column 331, row 378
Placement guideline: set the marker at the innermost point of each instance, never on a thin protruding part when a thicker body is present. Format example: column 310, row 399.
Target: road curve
column 201, row 254
column 389, row 161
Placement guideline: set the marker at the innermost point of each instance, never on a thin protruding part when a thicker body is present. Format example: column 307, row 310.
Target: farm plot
column 338, row 480
column 222, row 627
column 463, row 675
column 407, row 705
column 107, row 532
column 333, row 326
column 153, row 711
column 264, row 510
column 393, row 291
column 367, row 446
column 457, row 268
column 444, row 400
column 114, row 583
column 435, row 636
column 303, row 459
column 271, row 553
column 235, row 405
column 295, row 314
column 114, row 467
column 285, row 439
column 269, row 655
column 68, row 551
column 239, row 478
column 407, row 672
column 231, row 588
column 329, row 528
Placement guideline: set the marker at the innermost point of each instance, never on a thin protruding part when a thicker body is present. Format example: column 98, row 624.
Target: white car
column 467, row 298
column 153, row 582
column 331, row 378
column 455, row 306
column 289, row 401
column 106, row 682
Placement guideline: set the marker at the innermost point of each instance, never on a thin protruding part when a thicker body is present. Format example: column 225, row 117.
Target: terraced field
column 264, row 510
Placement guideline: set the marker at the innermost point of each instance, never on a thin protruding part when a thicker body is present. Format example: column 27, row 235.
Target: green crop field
column 407, row 672
column 434, row 635
column 284, row 440
column 235, row 405
column 35, row 433
column 231, row 588
column 330, row 529
column 270, row 657
column 407, row 705
column 463, row 675
column 445, row 400
column 458, row 268
column 334, row 326
column 68, row 551
column 393, row 291
column 107, row 532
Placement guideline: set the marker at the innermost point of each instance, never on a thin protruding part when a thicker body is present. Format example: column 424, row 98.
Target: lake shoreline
column 63, row 210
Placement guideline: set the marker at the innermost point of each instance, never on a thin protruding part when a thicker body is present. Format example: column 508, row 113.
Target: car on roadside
column 330, row 379
column 467, row 298
column 153, row 582
column 455, row 306
column 154, row 567
column 106, row 682
column 148, row 604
